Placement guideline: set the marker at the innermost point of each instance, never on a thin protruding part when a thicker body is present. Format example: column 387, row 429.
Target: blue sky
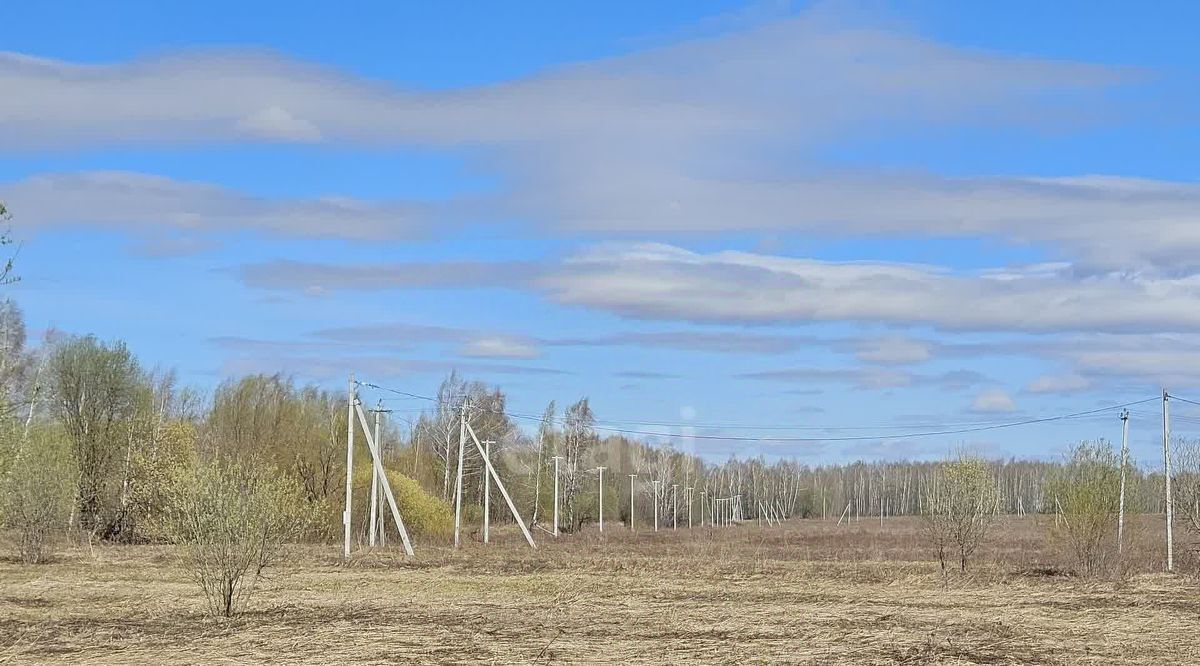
column 842, row 214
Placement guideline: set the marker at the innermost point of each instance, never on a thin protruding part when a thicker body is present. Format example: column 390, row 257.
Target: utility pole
column 1124, row 465
column 703, row 503
column 458, row 484
column 352, row 397
column 687, row 493
column 556, row 459
column 632, row 480
column 374, row 529
column 487, row 489
column 601, row 498
column 656, row 505
column 1167, row 481
column 674, row 506
column 382, row 533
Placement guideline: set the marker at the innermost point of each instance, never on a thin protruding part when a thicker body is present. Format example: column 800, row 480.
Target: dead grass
column 805, row 593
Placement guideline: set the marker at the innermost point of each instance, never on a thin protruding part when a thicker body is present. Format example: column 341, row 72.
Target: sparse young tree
column 1086, row 490
column 959, row 508
column 1186, row 484
column 36, row 492
column 233, row 517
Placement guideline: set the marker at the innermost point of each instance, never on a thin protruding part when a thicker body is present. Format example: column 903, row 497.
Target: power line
column 851, row 438
column 1172, row 396
column 732, row 425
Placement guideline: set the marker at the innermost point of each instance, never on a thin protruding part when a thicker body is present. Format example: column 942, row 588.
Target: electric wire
column 844, row 438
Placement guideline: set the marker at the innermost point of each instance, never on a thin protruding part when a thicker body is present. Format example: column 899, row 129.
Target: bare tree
column 960, row 507
column 1186, row 484
column 6, row 272
column 579, row 437
column 545, row 444
column 14, row 360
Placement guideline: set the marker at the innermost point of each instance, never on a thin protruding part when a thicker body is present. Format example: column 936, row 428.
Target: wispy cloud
column 993, row 401
column 152, row 205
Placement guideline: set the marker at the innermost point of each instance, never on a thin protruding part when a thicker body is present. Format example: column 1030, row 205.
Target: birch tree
column 95, row 393
column 579, row 437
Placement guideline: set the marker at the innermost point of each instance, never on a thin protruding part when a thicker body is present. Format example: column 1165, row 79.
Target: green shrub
column 423, row 514
column 37, row 494
column 233, row 518
column 1086, row 489
column 959, row 506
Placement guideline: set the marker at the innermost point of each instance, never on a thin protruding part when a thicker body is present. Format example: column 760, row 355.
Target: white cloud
column 149, row 205
column 1077, row 217
column 276, row 123
column 894, row 350
column 806, row 75
column 654, row 281
column 322, row 278
column 665, row 282
column 498, row 347
column 993, row 401
column 1059, row 384
column 631, row 143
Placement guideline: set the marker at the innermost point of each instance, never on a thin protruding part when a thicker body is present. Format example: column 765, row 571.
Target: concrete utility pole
column 352, row 397
column 487, row 489
column 687, row 493
column 703, row 504
column 375, row 515
column 1167, row 481
column 674, row 506
column 379, row 445
column 656, row 505
column 556, row 459
column 1124, row 465
column 601, row 469
column 458, row 484
column 377, row 463
column 512, row 507
column 632, row 480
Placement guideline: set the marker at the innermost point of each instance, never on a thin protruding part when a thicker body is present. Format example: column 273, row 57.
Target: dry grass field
column 806, row 593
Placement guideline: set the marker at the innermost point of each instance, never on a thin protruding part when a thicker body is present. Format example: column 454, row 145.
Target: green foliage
column 36, row 493
column 154, row 471
column 423, row 514
column 233, row 518
column 1086, row 490
column 95, row 387
column 302, row 430
column 959, row 508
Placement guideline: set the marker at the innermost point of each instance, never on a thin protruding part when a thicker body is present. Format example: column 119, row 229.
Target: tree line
column 95, row 444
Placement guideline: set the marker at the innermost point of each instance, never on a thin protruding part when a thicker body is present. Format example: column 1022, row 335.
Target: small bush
column 959, row 507
column 37, row 495
column 1086, row 490
column 233, row 517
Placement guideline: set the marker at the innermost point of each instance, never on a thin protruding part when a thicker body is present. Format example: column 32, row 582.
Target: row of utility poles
column 1167, row 496
column 724, row 510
